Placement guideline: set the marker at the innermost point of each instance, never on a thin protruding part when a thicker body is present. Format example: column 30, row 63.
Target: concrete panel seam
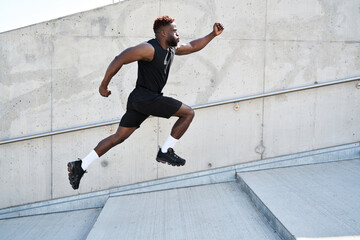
column 264, row 81
column 51, row 127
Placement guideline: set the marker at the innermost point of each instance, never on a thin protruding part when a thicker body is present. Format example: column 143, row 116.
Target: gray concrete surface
column 319, row 201
column 68, row 225
column 312, row 123
column 50, row 73
column 98, row 199
column 217, row 211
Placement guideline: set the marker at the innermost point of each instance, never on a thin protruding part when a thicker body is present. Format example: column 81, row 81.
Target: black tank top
column 154, row 74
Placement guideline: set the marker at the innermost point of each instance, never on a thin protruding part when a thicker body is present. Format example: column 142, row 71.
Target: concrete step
column 319, row 201
column 216, row 211
column 218, row 175
column 267, row 178
column 67, row 225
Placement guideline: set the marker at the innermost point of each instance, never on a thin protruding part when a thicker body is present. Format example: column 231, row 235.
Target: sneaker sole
column 70, row 168
column 70, row 174
column 164, row 162
column 69, row 165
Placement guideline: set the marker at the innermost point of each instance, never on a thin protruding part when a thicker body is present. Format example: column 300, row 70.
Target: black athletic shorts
column 142, row 103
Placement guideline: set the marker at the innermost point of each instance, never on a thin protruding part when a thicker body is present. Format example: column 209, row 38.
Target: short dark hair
column 161, row 22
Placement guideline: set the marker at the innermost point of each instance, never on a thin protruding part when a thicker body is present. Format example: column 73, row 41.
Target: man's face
column 172, row 38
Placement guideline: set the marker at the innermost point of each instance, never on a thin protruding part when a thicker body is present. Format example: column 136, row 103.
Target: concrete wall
column 50, row 73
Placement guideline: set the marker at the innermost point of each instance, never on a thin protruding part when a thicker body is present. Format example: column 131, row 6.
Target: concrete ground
column 68, row 225
column 315, row 201
column 319, row 201
column 217, row 211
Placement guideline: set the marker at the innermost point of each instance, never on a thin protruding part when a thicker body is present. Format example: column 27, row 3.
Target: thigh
column 184, row 110
column 132, row 118
column 160, row 107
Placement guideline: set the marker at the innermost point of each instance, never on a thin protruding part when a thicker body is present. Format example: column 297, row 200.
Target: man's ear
column 163, row 33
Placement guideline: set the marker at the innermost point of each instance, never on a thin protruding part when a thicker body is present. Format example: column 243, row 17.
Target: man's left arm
column 198, row 44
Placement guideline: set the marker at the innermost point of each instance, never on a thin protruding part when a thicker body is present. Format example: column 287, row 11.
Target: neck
column 162, row 43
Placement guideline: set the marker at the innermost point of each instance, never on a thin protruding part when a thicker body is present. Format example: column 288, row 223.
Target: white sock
column 169, row 143
column 92, row 156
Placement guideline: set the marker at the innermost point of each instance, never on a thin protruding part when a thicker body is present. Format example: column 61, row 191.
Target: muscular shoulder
column 145, row 51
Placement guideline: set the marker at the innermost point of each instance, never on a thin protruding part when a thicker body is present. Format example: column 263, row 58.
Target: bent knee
column 185, row 112
column 190, row 113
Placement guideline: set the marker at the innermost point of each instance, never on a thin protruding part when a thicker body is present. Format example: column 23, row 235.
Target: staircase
column 312, row 195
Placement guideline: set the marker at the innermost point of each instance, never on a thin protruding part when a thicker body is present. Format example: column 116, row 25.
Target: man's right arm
column 143, row 51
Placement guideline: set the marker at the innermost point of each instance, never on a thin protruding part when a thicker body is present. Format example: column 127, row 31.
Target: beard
column 172, row 41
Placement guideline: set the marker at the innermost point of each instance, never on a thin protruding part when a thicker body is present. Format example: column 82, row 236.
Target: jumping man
column 154, row 60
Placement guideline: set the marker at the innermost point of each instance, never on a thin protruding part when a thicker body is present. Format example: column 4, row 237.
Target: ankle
column 169, row 143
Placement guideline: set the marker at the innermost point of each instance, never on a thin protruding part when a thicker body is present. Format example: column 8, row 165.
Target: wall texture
column 50, row 73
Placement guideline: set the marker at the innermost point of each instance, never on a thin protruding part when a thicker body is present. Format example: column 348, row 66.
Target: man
column 154, row 60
